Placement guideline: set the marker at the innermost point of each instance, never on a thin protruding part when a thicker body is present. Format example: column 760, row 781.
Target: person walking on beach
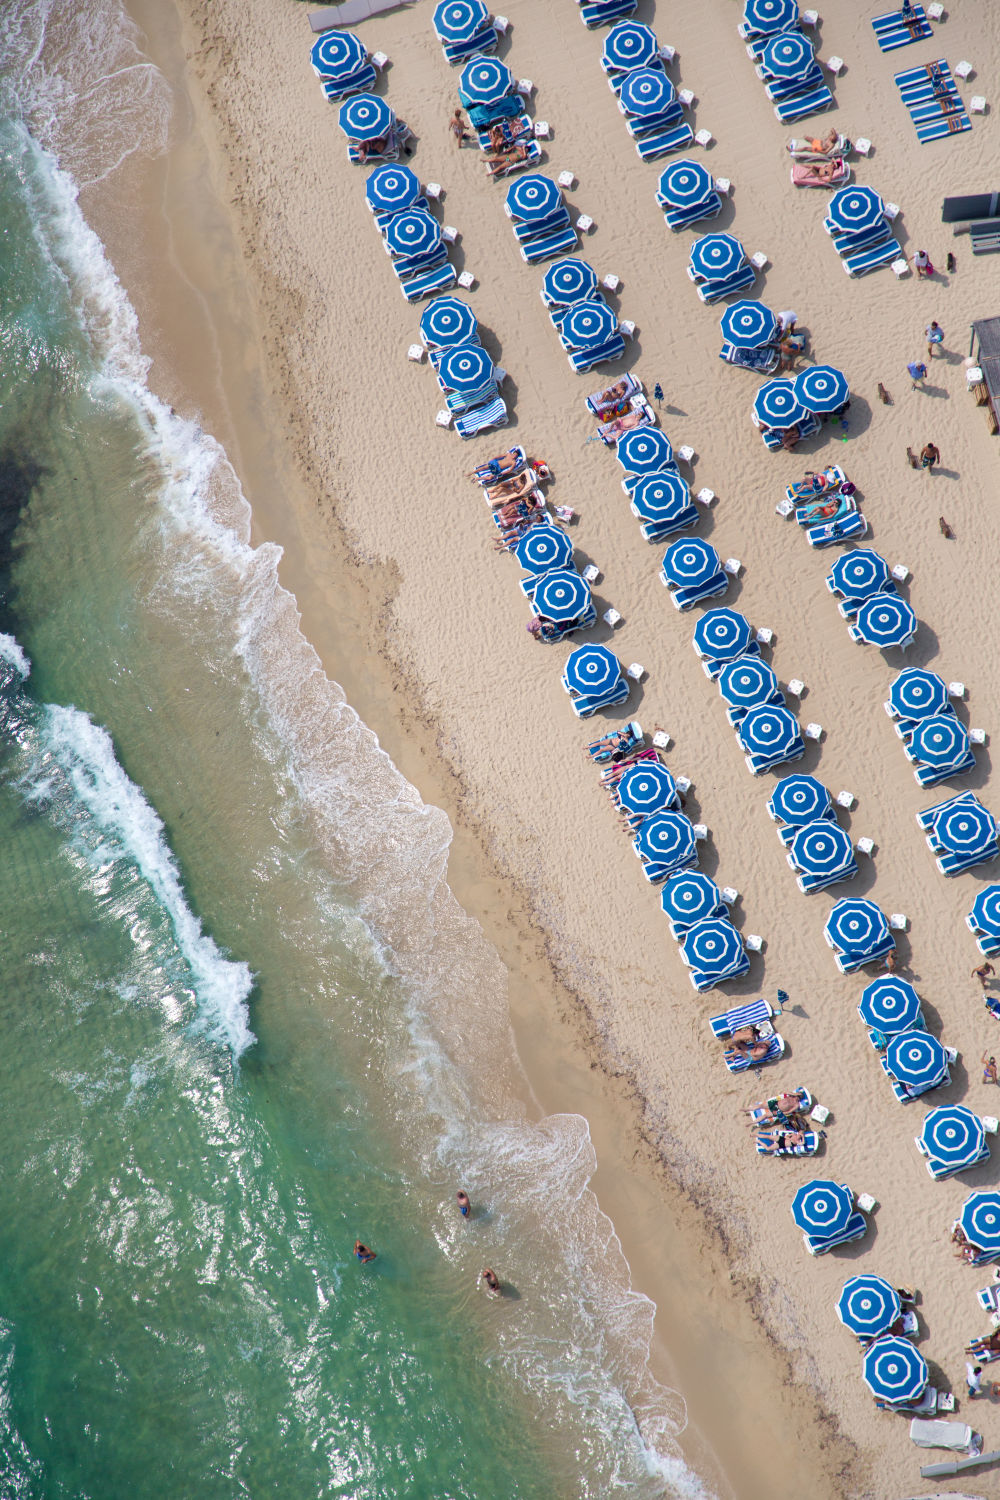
column 917, row 371
column 929, row 456
column 922, row 264
column 457, row 127
column 464, row 1206
column 984, row 973
column 363, row 1253
column 935, row 336
column 974, row 1380
column 989, row 1069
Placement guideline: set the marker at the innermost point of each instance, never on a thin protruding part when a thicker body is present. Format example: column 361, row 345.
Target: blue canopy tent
column 646, row 93
column 797, row 800
column 690, row 897
column 458, row 21
column 890, row 1005
column 858, row 932
column 868, row 1306
column 646, row 788
column 777, row 407
column 749, row 324
column 644, row 450
column 484, row 80
column 979, row 1221
column 587, row 325
column 885, row 621
column 715, row 257
column 895, row 1371
column 822, row 1209
column 859, row 574
column 854, row 210
column 769, row 737
column 823, row 854
column 447, row 322
column 413, row 233
column 533, row 198
column 365, row 118
column 765, row 17
column 918, row 694
column 666, row 843
column 748, row 683
column 568, row 281
column 337, row 55
column 787, row 56
column 629, row 45
column 543, row 548
column 684, row 184
column 562, row 596
column 821, row 389
column 465, row 368
column 720, row 636
column 917, row 1060
column 713, row 951
column 953, row 1139
column 391, row 189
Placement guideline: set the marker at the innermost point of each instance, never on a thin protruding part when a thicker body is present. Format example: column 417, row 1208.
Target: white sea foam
column 14, row 656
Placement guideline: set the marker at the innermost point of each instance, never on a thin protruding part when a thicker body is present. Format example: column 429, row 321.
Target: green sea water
column 243, row 1021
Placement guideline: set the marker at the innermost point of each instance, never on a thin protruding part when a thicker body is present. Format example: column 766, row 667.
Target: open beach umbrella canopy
column 749, row 324
column 941, row 741
column 588, row 325
column 979, row 1221
column 660, row 498
column 917, row 1059
column 986, row 911
column 447, row 321
column 769, row 16
column 771, row 731
column 458, row 21
column 852, row 209
column 484, row 80
column 859, row 573
column 667, row 838
column 645, row 789
column 338, row 54
column 716, row 256
column 533, row 197
column 685, row 184
column 723, row 634
column 788, row 55
column 415, row 232
column 894, row 1370
column 800, row 799
column 966, row 828
column 465, row 368
column 820, row 849
column 561, row 596
column 868, row 1306
column 391, row 189
column 646, row 92
column 690, row 897
column 885, row 621
column 917, row 694
column 543, row 548
column 592, row 669
column 776, row 405
column 890, row 1004
column 690, row 563
column 856, row 926
column 568, row 281
column 822, row 1208
column 748, row 683
column 954, row 1136
column 644, row 450
column 822, row 389
column 714, row 946
column 366, row 117
column 629, row 45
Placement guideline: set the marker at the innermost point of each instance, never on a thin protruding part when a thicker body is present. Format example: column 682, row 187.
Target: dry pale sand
column 374, row 468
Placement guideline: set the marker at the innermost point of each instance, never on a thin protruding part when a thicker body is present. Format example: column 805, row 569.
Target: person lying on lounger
column 508, row 157
column 616, row 426
column 510, row 489
column 504, row 133
column 747, row 1042
column 495, row 468
column 783, row 1109
column 987, row 1348
column 790, row 437
column 779, row 1142
column 371, row 148
column 828, row 142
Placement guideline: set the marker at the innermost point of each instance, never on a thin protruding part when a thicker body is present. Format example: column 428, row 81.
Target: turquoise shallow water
column 243, row 1021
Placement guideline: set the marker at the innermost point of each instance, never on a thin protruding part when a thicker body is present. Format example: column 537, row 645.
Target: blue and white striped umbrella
column 917, row 694
column 714, row 946
column 986, row 911
column 592, row 669
column 448, row 321
column 859, row 573
column 644, row 450
column 646, row 92
column 966, row 828
column 458, row 21
column 821, row 389
column 954, row 1136
column 366, row 117
column 690, row 563
column 886, row 620
column 770, row 731
column 917, row 1059
column 868, row 1306
column 533, row 197
column 822, row 1208
column 856, row 926
column 338, row 54
column 854, row 209
column 890, row 1004
column 749, row 324
column 415, row 232
column 568, row 281
column 588, row 325
column 465, row 368
column 768, row 16
column 561, row 596
column 747, row 683
column 484, row 80
column 667, row 838
column 799, row 799
column 788, row 55
column 716, row 256
column 543, row 548
column 940, row 741
column 820, row 849
column 690, row 897
column 645, row 789
column 979, row 1221
column 776, row 405
column 629, row 45
column 894, row 1371
column 684, row 184
column 391, row 189
column 723, row 634
column 662, row 497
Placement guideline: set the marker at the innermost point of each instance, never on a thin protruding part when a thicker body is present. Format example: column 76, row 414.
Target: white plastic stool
column 845, row 799
column 990, row 1124
column 723, row 186
column 865, row 846
column 834, row 64
column 977, row 104
column 703, row 137
column 753, row 941
column 962, row 69
column 900, row 267
column 758, row 259
column 626, row 328
column 585, row 223
column 611, row 282
column 705, row 496
column 466, row 280
column 732, row 566
column 683, row 784
column 700, row 830
column 866, row 1202
column 809, row 18
column 862, row 145
column 686, row 96
column 685, row 453
column 899, row 921
column 796, row 687
column 566, row 180
column 432, row 190
column 661, row 739
column 416, row 353
column 956, row 690
column 813, row 731
column 765, row 635
column 449, row 233
column 977, row 736
column 935, row 11
column 542, row 130
column 591, row 572
column 525, row 86
column 890, row 211
column 443, row 419
column 379, row 59
column 819, row 1113
column 500, row 24
column 667, row 52
column 729, row 894
column 785, row 508
column 636, row 671
column 900, row 572
column 611, row 617
column 973, row 375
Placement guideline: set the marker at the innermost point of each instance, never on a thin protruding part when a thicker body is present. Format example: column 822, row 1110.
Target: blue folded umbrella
column 822, row 1208
column 667, row 838
column 857, row 927
column 769, row 16
column 644, row 450
column 561, row 596
column 713, row 946
column 986, row 911
column 684, row 184
column 789, row 55
column 533, row 197
column 338, row 54
column 859, row 573
column 645, row 789
column 868, row 1306
column 723, row 634
column 629, row 45
column 965, row 827
column 484, row 80
column 890, row 1004
column 940, row 741
column 886, row 620
column 415, row 232
column 464, row 368
column 799, row 800
column 771, row 732
column 568, row 281
column 690, row 563
column 661, row 498
column 776, row 405
column 953, row 1136
column 646, row 92
column 749, row 324
column 979, row 1221
column 716, row 256
column 591, row 670
column 458, row 21
column 543, row 548
column 916, row 1059
column 895, row 1371
column 819, row 849
column 587, row 325
column 917, row 694
column 854, row 209
column 821, row 389
column 690, row 897
column 448, row 321
column 391, row 189
column 366, row 117
column 747, row 683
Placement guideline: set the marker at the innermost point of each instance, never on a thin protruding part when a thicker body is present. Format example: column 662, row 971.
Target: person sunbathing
column 988, row 1346
column 504, row 133
column 747, row 1042
column 508, row 157
column 542, row 629
column 825, row 145
column 781, row 1141
column 509, row 488
column 371, row 148
column 615, row 427
column 781, row 1110
column 790, row 437
column 494, row 468
column 616, row 392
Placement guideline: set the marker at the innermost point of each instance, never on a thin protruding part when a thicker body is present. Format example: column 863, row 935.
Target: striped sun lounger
column 798, row 108
column 482, row 417
column 932, row 98
column 893, row 30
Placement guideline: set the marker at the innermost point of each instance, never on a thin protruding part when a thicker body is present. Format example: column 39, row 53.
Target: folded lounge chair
column 587, row 359
column 762, row 361
column 358, row 83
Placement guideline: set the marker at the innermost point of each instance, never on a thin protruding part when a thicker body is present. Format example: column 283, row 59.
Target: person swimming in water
column 492, row 1281
column 464, row 1206
column 363, row 1253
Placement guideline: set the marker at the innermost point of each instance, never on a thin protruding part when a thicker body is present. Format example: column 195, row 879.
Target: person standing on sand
column 935, row 337
column 922, row 264
column 457, row 127
column 984, row 973
column 929, row 456
column 989, row 1069
column 917, row 372
column 889, row 963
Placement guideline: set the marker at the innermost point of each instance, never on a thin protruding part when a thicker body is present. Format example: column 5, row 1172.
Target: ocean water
column 243, row 1020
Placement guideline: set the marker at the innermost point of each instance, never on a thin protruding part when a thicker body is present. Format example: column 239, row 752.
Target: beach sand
column 313, row 386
